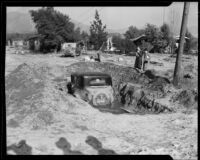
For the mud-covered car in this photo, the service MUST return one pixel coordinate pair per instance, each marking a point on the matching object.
(95, 88)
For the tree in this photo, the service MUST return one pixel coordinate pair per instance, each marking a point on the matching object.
(156, 37)
(77, 34)
(166, 33)
(133, 32)
(98, 35)
(191, 43)
(124, 45)
(84, 36)
(54, 27)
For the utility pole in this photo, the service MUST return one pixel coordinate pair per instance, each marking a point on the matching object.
(177, 70)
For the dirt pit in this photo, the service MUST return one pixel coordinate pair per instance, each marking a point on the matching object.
(152, 83)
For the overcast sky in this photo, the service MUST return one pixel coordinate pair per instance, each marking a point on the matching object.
(122, 17)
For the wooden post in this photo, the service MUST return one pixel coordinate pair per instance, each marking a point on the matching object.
(177, 70)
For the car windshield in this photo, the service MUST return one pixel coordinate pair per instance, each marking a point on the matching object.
(98, 82)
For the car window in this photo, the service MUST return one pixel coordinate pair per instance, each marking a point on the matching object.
(98, 82)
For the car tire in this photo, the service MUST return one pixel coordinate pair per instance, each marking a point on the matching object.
(70, 88)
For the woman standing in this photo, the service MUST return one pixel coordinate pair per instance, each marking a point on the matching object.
(138, 60)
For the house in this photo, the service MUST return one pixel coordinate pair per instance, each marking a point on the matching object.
(33, 42)
(177, 40)
(18, 43)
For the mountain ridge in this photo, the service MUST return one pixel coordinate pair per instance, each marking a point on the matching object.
(19, 22)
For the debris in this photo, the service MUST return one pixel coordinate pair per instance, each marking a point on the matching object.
(188, 76)
(159, 85)
(135, 101)
(187, 98)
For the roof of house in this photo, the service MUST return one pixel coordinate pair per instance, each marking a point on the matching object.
(139, 38)
(35, 36)
(178, 37)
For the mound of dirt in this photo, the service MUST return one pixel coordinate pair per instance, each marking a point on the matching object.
(35, 101)
(123, 74)
(159, 86)
(187, 98)
(118, 73)
(24, 87)
(29, 98)
(155, 85)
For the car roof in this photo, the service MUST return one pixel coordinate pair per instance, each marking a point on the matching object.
(90, 74)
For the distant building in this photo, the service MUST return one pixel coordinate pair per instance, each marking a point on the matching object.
(18, 43)
(177, 40)
(66, 45)
(33, 42)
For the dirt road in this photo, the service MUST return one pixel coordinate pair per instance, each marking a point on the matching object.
(174, 134)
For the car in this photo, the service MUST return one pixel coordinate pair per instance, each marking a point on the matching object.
(93, 87)
(72, 52)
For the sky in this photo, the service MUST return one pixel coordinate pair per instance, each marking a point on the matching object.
(123, 17)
